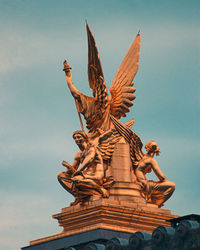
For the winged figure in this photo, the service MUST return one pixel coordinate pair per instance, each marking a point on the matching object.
(97, 109)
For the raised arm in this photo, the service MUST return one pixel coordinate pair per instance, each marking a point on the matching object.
(68, 76)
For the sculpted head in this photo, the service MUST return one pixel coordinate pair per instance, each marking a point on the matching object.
(152, 147)
(80, 137)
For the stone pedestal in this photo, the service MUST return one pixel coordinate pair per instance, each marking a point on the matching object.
(125, 187)
(121, 167)
(123, 213)
(110, 215)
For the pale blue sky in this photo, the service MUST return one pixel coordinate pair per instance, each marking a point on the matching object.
(38, 116)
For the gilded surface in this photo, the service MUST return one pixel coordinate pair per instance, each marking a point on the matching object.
(90, 176)
(97, 109)
(156, 192)
(87, 176)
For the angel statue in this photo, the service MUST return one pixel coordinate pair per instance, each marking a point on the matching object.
(97, 109)
(155, 192)
(87, 177)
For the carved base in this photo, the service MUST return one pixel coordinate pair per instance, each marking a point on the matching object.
(124, 211)
(109, 214)
(126, 191)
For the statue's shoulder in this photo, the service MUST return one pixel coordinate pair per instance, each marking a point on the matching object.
(147, 160)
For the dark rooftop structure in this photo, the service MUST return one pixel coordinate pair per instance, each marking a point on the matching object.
(184, 234)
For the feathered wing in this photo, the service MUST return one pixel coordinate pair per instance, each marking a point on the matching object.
(122, 85)
(95, 71)
(97, 109)
(132, 138)
(99, 113)
(108, 140)
(107, 143)
(94, 63)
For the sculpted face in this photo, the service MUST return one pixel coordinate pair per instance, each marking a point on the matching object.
(152, 147)
(79, 139)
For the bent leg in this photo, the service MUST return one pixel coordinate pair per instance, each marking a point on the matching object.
(161, 191)
(89, 184)
(65, 180)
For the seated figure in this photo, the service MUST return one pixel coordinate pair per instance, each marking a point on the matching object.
(86, 175)
(156, 192)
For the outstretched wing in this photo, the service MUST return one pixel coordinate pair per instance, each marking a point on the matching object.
(98, 111)
(95, 71)
(132, 138)
(107, 143)
(122, 86)
(108, 140)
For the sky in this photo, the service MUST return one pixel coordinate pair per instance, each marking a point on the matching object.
(38, 115)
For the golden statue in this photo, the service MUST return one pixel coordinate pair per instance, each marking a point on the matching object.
(88, 177)
(156, 192)
(90, 173)
(97, 109)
